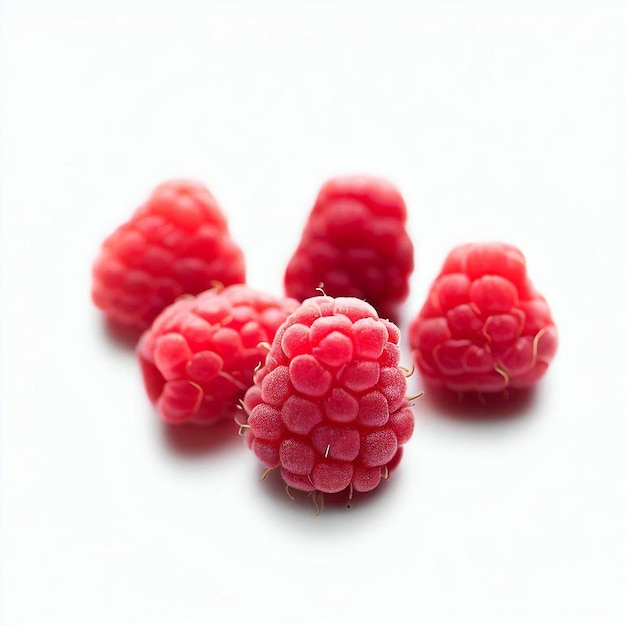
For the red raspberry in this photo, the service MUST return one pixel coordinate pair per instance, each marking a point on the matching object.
(198, 359)
(355, 243)
(483, 327)
(329, 406)
(176, 243)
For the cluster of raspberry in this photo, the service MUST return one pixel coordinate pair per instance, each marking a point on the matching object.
(316, 379)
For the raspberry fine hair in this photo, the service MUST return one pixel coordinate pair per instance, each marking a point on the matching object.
(355, 243)
(483, 328)
(199, 356)
(176, 243)
(328, 407)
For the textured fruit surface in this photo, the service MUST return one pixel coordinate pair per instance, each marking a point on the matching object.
(483, 327)
(328, 407)
(176, 243)
(355, 243)
(198, 359)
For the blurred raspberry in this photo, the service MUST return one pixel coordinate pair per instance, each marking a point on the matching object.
(329, 405)
(355, 243)
(176, 243)
(483, 327)
(198, 359)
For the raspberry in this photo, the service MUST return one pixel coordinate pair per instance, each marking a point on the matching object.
(176, 243)
(328, 407)
(483, 328)
(198, 359)
(355, 243)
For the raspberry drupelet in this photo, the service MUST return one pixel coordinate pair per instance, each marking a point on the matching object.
(484, 328)
(328, 407)
(176, 243)
(355, 243)
(199, 356)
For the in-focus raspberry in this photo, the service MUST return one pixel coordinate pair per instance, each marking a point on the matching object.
(176, 243)
(199, 356)
(328, 407)
(484, 327)
(355, 243)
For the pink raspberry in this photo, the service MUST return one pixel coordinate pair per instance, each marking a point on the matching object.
(355, 243)
(483, 327)
(176, 243)
(329, 405)
(199, 357)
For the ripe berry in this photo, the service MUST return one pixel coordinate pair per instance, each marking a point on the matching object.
(483, 327)
(176, 243)
(329, 406)
(198, 359)
(355, 243)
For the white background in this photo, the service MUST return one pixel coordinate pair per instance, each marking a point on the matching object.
(500, 121)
